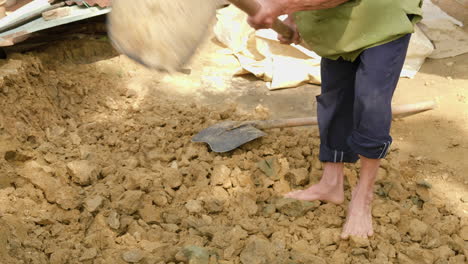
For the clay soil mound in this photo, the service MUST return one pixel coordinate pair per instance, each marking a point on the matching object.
(93, 171)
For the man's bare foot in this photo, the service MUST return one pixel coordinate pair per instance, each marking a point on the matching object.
(359, 219)
(329, 189)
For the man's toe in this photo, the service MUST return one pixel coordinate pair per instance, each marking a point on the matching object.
(345, 233)
(291, 194)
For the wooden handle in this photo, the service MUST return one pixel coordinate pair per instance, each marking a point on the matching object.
(397, 111)
(251, 7)
(280, 123)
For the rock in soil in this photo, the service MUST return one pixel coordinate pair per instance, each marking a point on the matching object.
(257, 251)
(133, 256)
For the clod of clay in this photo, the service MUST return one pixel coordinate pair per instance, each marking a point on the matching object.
(133, 256)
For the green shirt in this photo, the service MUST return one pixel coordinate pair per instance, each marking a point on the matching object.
(348, 29)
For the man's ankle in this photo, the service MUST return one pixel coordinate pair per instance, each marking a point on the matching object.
(369, 170)
(333, 174)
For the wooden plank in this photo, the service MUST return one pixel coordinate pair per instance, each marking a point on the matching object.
(56, 13)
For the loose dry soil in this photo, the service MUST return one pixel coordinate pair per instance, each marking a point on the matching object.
(97, 167)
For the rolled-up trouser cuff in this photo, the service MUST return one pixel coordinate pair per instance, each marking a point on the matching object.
(329, 155)
(369, 147)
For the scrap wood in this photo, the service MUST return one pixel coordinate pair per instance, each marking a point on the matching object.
(56, 13)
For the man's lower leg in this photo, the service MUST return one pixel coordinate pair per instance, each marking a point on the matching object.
(359, 220)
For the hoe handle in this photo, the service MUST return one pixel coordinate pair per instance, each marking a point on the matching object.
(251, 7)
(398, 111)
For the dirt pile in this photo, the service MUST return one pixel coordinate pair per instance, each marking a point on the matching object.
(94, 172)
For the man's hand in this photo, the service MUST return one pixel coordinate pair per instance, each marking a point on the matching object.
(296, 39)
(266, 15)
(271, 9)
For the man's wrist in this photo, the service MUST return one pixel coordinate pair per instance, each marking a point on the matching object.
(292, 6)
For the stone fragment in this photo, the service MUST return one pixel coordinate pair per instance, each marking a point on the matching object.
(295, 208)
(394, 216)
(359, 242)
(381, 175)
(93, 203)
(381, 210)
(88, 254)
(172, 178)
(150, 213)
(270, 167)
(444, 252)
(113, 220)
(331, 220)
(16, 156)
(423, 193)
(248, 204)
(173, 216)
(133, 256)
(464, 232)
(152, 247)
(55, 190)
(458, 259)
(241, 177)
(82, 172)
(449, 225)
(58, 257)
(220, 193)
(250, 225)
(194, 206)
(329, 236)
(419, 255)
(257, 251)
(359, 251)
(129, 201)
(159, 198)
(396, 191)
(431, 239)
(339, 257)
(417, 229)
(196, 255)
(173, 228)
(269, 209)
(75, 139)
(457, 244)
(138, 179)
(387, 249)
(221, 176)
(213, 205)
(301, 253)
(299, 177)
(424, 183)
(403, 259)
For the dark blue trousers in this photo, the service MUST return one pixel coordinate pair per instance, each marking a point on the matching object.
(354, 108)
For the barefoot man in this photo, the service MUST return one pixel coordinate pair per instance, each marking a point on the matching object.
(363, 44)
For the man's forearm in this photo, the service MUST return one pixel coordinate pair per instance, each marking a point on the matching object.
(292, 6)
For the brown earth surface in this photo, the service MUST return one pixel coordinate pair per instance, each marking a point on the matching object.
(97, 166)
